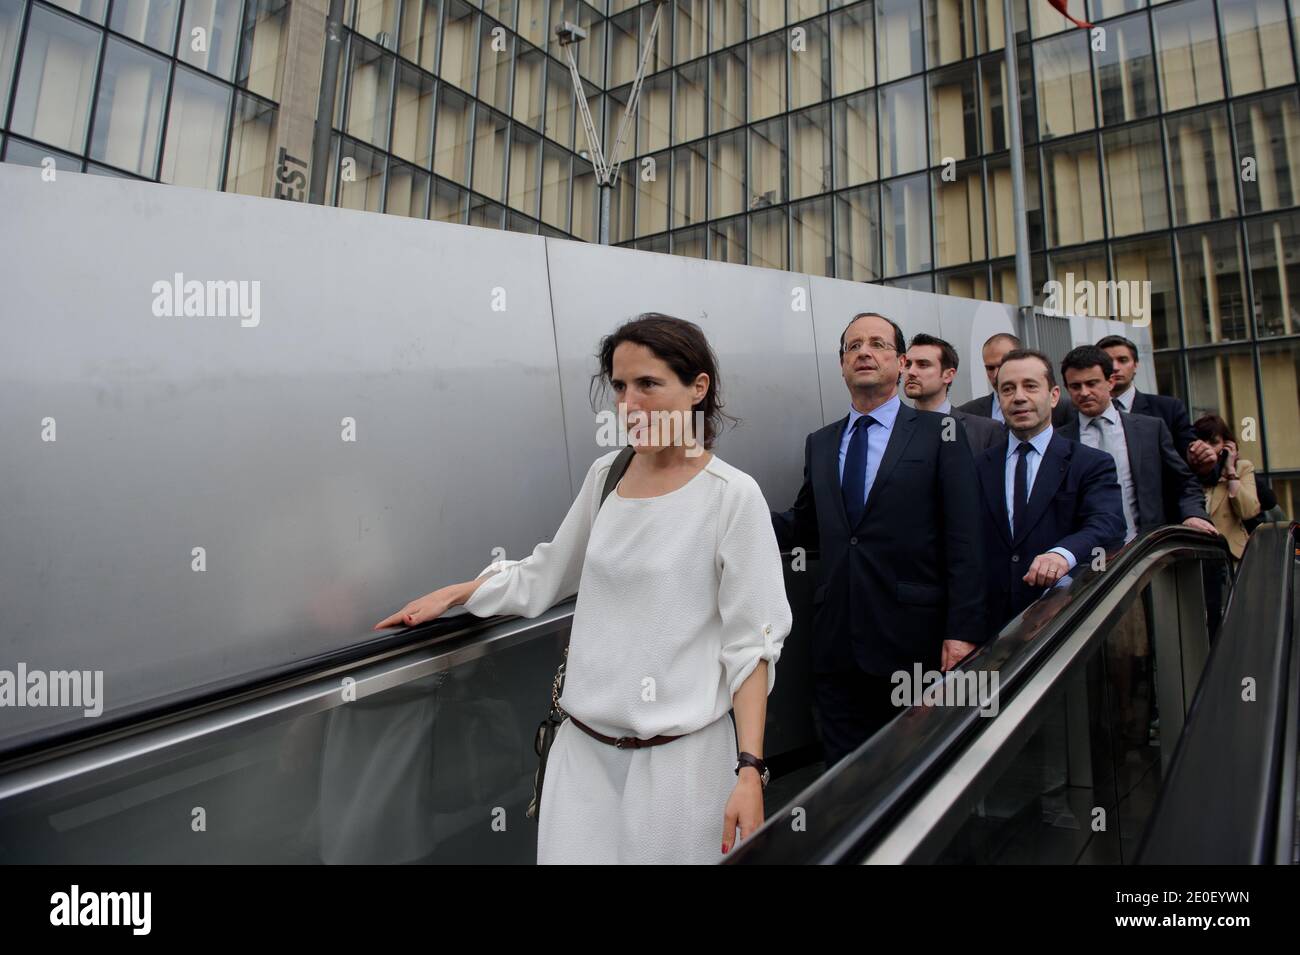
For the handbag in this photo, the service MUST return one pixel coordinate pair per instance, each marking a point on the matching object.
(550, 725)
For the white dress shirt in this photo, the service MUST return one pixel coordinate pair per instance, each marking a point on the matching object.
(877, 437)
(1115, 444)
(1126, 399)
(1033, 459)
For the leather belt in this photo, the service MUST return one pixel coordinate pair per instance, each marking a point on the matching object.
(621, 742)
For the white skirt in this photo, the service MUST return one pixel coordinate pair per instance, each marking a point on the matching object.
(662, 804)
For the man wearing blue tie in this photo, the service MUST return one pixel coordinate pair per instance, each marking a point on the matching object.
(1049, 503)
(890, 499)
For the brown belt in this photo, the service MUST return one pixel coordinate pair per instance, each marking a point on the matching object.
(622, 742)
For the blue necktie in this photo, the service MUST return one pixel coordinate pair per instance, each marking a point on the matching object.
(854, 484)
(1020, 498)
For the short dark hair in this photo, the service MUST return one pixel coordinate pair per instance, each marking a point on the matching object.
(681, 345)
(1085, 357)
(947, 354)
(1210, 426)
(1019, 353)
(900, 342)
(1119, 341)
(1002, 336)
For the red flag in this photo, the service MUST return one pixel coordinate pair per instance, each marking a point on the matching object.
(1060, 6)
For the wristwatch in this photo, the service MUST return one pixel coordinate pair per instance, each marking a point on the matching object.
(749, 759)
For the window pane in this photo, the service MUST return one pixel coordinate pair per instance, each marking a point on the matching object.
(583, 223)
(1126, 72)
(690, 176)
(11, 18)
(248, 169)
(1274, 246)
(452, 137)
(1222, 382)
(1279, 372)
(420, 20)
(727, 174)
(1268, 133)
(767, 239)
(1072, 190)
(857, 234)
(727, 241)
(1074, 268)
(855, 140)
(363, 187)
(496, 53)
(652, 195)
(726, 23)
(765, 17)
(990, 27)
(152, 22)
(25, 154)
(966, 283)
(661, 54)
(530, 66)
(196, 131)
(1135, 179)
(413, 116)
(1213, 285)
(898, 38)
(689, 112)
(654, 113)
(370, 93)
(555, 187)
(1200, 163)
(489, 153)
(128, 116)
(767, 77)
(692, 30)
(559, 106)
(219, 20)
(486, 215)
(954, 129)
(377, 20)
(728, 98)
(950, 31)
(905, 217)
(525, 170)
(853, 48)
(1064, 85)
(261, 55)
(902, 137)
(1001, 224)
(1188, 46)
(1256, 43)
(810, 238)
(503, 11)
(624, 48)
(90, 9)
(460, 45)
(810, 153)
(766, 165)
(959, 217)
(810, 81)
(408, 191)
(52, 102)
(690, 242)
(1149, 260)
(532, 21)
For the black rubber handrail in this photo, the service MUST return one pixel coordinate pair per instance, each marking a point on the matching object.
(1229, 794)
(841, 815)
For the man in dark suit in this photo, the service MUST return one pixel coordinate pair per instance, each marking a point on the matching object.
(995, 349)
(1048, 503)
(931, 368)
(1157, 485)
(893, 508)
(1124, 394)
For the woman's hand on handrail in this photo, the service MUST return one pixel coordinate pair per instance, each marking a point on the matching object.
(432, 605)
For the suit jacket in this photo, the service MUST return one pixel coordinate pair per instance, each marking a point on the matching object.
(910, 574)
(1229, 513)
(1075, 504)
(1167, 491)
(1169, 410)
(983, 407)
(982, 432)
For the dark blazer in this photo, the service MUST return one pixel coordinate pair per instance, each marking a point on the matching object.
(911, 574)
(1167, 491)
(982, 432)
(1075, 504)
(1169, 410)
(983, 407)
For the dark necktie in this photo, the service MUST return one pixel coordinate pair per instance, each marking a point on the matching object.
(854, 484)
(1020, 495)
(1119, 404)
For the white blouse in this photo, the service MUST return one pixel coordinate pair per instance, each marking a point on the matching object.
(679, 597)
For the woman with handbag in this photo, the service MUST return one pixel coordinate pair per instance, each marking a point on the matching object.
(680, 617)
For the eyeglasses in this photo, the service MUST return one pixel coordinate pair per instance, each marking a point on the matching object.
(877, 345)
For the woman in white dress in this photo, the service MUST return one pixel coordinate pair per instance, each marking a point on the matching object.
(680, 617)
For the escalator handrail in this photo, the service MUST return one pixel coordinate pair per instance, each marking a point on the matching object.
(1229, 793)
(850, 807)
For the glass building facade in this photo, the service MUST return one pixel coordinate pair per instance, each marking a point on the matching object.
(864, 140)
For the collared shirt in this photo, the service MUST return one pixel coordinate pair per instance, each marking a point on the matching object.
(945, 408)
(1117, 447)
(1126, 399)
(1033, 459)
(997, 410)
(877, 437)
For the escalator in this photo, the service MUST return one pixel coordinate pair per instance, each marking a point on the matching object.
(417, 747)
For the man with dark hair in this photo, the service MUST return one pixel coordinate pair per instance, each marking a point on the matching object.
(1157, 485)
(1123, 392)
(1049, 503)
(894, 510)
(995, 350)
(930, 370)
